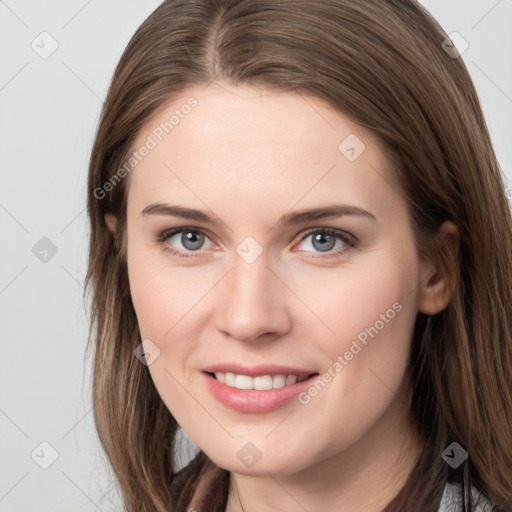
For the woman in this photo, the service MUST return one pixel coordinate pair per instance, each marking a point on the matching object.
(300, 255)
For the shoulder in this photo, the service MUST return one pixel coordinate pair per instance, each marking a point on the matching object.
(452, 500)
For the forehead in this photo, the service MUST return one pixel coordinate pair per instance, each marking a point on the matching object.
(248, 115)
(254, 143)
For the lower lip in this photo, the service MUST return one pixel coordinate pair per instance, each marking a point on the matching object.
(252, 400)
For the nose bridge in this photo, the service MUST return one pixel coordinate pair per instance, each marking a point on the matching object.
(249, 281)
(251, 303)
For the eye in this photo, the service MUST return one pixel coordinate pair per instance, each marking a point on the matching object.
(191, 240)
(324, 240)
(185, 241)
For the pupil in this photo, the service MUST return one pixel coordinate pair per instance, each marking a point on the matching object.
(321, 237)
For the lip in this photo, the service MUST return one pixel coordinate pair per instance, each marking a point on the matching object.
(255, 371)
(255, 401)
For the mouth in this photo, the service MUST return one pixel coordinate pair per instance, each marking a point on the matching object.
(260, 382)
(257, 394)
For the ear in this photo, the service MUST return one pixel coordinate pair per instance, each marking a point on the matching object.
(111, 220)
(437, 287)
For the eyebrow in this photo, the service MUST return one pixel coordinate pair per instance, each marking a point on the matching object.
(292, 218)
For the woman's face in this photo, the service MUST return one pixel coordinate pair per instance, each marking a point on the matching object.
(254, 280)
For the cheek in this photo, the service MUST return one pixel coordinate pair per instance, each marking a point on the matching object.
(166, 298)
(163, 299)
(365, 361)
(356, 304)
(151, 306)
(372, 315)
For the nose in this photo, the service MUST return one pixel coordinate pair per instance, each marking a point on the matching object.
(252, 302)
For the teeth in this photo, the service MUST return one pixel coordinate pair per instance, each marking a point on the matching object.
(260, 383)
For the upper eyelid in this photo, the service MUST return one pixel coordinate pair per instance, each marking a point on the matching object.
(166, 233)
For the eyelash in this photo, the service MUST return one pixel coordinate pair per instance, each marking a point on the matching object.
(348, 239)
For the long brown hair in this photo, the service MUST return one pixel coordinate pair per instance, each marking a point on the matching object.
(383, 65)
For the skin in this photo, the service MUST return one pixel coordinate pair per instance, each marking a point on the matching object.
(248, 156)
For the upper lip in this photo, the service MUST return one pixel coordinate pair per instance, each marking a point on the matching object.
(255, 371)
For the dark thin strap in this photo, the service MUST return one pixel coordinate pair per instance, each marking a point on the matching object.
(465, 487)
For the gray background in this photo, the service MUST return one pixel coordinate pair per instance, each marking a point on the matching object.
(49, 109)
